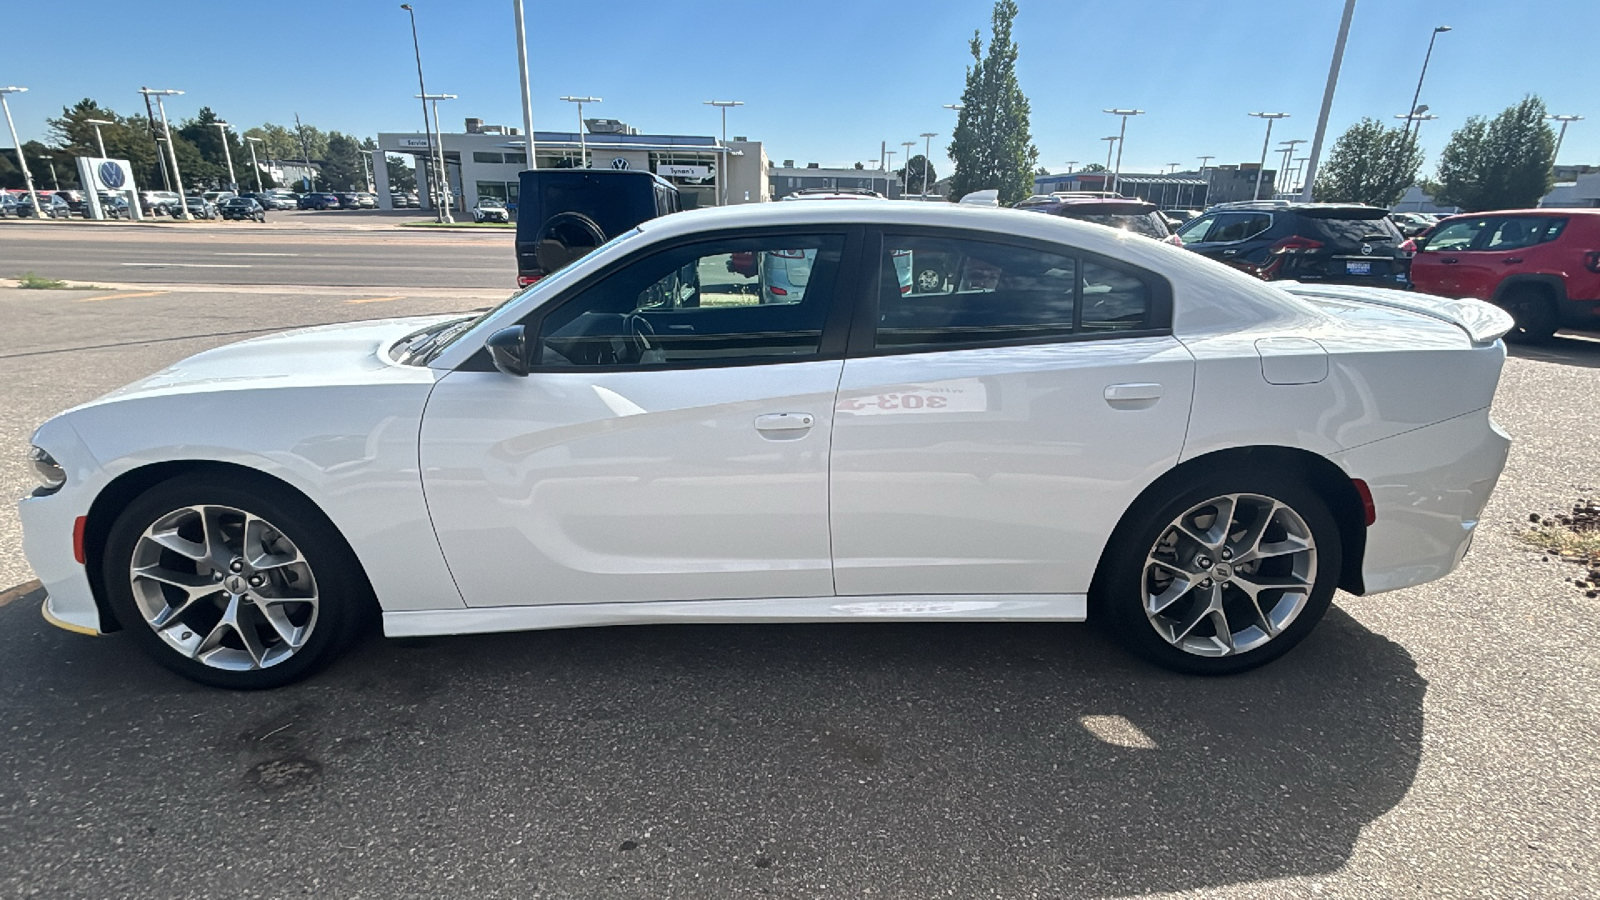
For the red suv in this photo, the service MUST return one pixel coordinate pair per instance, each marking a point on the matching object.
(1541, 265)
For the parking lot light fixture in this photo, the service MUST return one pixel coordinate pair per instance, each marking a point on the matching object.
(233, 181)
(1071, 164)
(1105, 179)
(583, 145)
(97, 138)
(1332, 85)
(444, 170)
(1270, 117)
(166, 131)
(55, 183)
(22, 160)
(927, 148)
(1565, 121)
(1417, 95)
(251, 142)
(422, 91)
(1122, 141)
(724, 106)
(1420, 116)
(905, 171)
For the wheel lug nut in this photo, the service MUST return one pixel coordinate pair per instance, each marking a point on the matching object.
(1206, 583)
(236, 566)
(1227, 554)
(1203, 562)
(257, 581)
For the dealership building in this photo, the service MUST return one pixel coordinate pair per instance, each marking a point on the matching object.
(485, 161)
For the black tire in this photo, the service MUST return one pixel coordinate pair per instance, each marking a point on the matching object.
(345, 606)
(1534, 311)
(1118, 596)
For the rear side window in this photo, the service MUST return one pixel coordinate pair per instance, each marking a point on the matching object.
(948, 293)
(1238, 226)
(1515, 232)
(1354, 231)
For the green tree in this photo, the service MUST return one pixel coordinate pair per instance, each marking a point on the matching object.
(992, 147)
(1504, 163)
(342, 169)
(1093, 167)
(401, 176)
(913, 181)
(277, 142)
(128, 137)
(1371, 163)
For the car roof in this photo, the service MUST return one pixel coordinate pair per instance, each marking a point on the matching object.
(1091, 206)
(1544, 211)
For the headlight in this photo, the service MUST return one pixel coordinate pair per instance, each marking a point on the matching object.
(49, 472)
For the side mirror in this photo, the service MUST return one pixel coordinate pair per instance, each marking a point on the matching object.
(508, 347)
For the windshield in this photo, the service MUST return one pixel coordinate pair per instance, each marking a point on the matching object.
(1144, 224)
(491, 203)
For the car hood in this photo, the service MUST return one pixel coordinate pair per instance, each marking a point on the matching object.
(343, 354)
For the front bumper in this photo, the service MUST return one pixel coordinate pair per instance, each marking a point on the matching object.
(47, 542)
(1429, 486)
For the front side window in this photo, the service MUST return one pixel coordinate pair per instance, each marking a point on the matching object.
(1458, 235)
(1238, 227)
(733, 301)
(1194, 231)
(945, 293)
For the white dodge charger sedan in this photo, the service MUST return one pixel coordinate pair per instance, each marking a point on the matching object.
(958, 414)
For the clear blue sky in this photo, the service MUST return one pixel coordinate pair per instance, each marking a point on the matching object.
(824, 80)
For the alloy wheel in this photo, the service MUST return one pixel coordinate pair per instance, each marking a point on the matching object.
(224, 587)
(1229, 575)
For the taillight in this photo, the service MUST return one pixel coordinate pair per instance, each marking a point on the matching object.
(1295, 244)
(525, 280)
(777, 290)
(1409, 245)
(1591, 261)
(1174, 239)
(1369, 509)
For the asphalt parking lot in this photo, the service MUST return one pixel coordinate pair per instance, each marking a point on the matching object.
(1438, 741)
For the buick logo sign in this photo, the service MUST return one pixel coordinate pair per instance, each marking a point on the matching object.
(619, 163)
(111, 175)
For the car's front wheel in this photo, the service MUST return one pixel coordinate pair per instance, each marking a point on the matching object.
(232, 583)
(1222, 576)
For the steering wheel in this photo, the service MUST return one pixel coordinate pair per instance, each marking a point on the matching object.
(642, 333)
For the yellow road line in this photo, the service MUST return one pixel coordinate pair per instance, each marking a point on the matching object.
(123, 296)
(374, 299)
(21, 590)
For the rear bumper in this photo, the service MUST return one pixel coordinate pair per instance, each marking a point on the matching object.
(1429, 487)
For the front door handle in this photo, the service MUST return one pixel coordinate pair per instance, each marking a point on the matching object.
(1512, 260)
(1449, 260)
(790, 422)
(1134, 395)
(1229, 252)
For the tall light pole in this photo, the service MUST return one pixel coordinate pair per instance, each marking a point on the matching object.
(255, 167)
(1420, 116)
(1071, 164)
(166, 129)
(1203, 161)
(97, 138)
(1270, 117)
(905, 171)
(22, 159)
(227, 152)
(583, 143)
(422, 91)
(888, 169)
(55, 183)
(1174, 167)
(1299, 167)
(1327, 98)
(1565, 121)
(927, 148)
(444, 167)
(1418, 93)
(366, 166)
(1122, 140)
(1105, 180)
(1288, 153)
(522, 75)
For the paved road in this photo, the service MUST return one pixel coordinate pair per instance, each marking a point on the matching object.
(1433, 742)
(286, 253)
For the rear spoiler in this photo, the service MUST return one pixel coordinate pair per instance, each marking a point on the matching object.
(1483, 322)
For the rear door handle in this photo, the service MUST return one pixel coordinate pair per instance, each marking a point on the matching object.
(1134, 393)
(785, 422)
(1229, 252)
(1512, 260)
(1449, 260)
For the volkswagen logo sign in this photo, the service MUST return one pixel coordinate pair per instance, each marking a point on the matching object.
(1366, 249)
(619, 163)
(111, 175)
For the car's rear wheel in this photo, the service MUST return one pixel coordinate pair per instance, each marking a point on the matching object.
(231, 584)
(1223, 576)
(1534, 311)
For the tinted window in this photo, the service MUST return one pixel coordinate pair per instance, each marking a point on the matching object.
(743, 300)
(1354, 231)
(1524, 231)
(1194, 231)
(1457, 235)
(1238, 226)
(941, 293)
(1144, 223)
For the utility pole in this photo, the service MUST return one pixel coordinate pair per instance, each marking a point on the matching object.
(22, 159)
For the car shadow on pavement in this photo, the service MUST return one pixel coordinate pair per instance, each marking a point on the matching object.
(1571, 349)
(703, 760)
